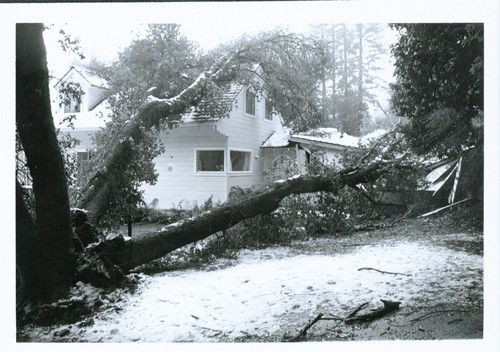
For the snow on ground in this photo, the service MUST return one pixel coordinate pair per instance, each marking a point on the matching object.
(277, 290)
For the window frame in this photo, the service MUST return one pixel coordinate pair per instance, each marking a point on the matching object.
(209, 149)
(81, 153)
(250, 161)
(247, 92)
(267, 112)
(74, 106)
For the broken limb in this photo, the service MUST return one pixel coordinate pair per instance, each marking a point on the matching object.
(332, 317)
(355, 311)
(389, 306)
(437, 312)
(443, 208)
(383, 272)
(404, 216)
(303, 332)
(216, 331)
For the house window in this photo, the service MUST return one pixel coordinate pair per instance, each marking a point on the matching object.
(72, 106)
(269, 111)
(210, 160)
(82, 156)
(240, 161)
(83, 164)
(250, 103)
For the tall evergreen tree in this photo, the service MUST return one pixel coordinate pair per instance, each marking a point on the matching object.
(352, 75)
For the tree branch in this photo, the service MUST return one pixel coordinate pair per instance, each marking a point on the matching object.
(303, 332)
(383, 272)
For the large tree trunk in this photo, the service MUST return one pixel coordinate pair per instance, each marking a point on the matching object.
(137, 251)
(37, 133)
(27, 253)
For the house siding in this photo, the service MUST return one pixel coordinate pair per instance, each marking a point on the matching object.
(179, 185)
(247, 132)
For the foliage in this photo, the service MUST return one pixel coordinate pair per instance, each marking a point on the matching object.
(439, 70)
(70, 43)
(164, 59)
(292, 65)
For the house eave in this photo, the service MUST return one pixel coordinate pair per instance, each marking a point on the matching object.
(321, 144)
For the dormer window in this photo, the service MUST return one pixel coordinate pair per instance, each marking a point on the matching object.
(250, 103)
(72, 106)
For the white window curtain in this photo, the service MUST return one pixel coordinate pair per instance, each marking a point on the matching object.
(240, 161)
(210, 160)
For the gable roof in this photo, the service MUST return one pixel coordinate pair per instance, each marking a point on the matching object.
(229, 94)
(92, 78)
(201, 112)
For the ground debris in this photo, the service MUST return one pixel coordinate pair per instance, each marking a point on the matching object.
(302, 334)
(383, 272)
(389, 307)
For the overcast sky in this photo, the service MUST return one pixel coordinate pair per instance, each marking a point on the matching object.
(105, 40)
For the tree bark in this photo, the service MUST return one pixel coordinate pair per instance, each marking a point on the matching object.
(334, 77)
(27, 254)
(37, 133)
(137, 251)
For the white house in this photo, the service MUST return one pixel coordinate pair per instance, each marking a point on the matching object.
(206, 157)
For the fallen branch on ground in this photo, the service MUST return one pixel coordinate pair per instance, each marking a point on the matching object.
(389, 306)
(436, 312)
(303, 332)
(355, 311)
(443, 208)
(404, 216)
(217, 331)
(383, 272)
(333, 317)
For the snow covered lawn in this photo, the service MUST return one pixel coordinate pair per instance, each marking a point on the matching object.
(266, 294)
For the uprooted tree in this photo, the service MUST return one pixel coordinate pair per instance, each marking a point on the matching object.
(46, 259)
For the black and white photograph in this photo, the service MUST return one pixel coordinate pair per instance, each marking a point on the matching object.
(317, 174)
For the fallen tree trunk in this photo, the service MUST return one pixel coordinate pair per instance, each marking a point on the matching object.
(137, 251)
